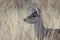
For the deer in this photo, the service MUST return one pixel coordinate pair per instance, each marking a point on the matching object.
(35, 18)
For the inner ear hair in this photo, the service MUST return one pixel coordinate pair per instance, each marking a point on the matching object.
(38, 10)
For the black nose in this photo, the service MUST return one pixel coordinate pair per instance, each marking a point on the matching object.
(24, 19)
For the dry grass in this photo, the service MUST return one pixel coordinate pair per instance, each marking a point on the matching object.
(12, 13)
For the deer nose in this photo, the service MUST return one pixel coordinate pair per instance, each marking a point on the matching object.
(24, 19)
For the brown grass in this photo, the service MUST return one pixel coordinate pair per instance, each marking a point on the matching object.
(12, 13)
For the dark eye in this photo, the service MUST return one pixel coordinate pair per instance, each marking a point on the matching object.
(33, 15)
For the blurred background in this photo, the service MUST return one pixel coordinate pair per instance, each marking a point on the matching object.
(12, 13)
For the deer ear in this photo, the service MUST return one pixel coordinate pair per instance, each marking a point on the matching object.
(32, 10)
(38, 11)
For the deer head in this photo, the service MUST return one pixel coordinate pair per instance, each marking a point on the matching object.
(34, 16)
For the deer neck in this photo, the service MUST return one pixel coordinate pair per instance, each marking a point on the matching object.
(39, 26)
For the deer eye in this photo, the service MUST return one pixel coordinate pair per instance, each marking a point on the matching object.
(34, 15)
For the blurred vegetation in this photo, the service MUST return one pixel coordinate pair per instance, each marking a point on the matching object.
(12, 13)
